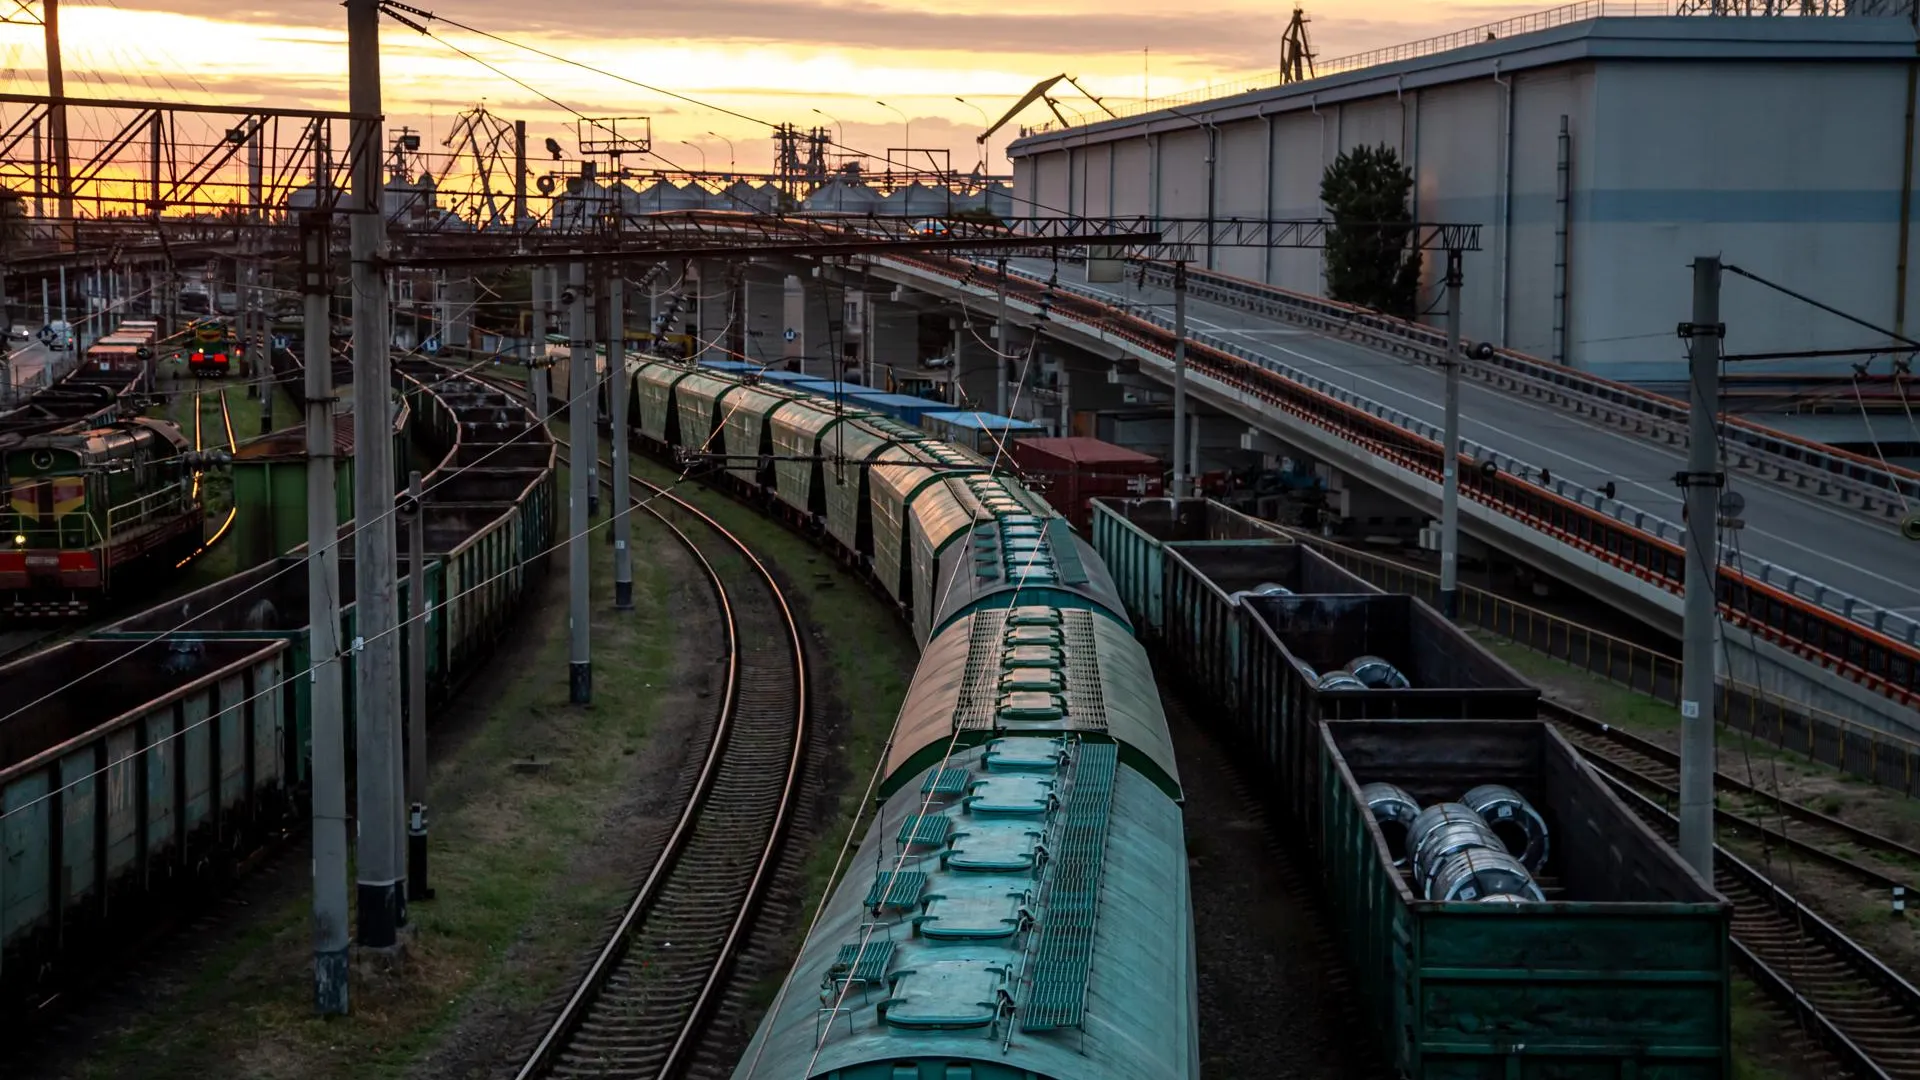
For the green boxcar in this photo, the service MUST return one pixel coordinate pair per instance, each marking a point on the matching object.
(1622, 973)
(1130, 533)
(844, 479)
(273, 608)
(271, 491)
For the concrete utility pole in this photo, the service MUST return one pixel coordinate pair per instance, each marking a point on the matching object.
(957, 327)
(622, 498)
(1701, 482)
(376, 685)
(259, 348)
(586, 447)
(1180, 380)
(419, 620)
(1002, 347)
(329, 752)
(57, 121)
(867, 331)
(537, 345)
(1450, 452)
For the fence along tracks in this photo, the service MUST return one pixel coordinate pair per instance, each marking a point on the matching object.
(645, 1001)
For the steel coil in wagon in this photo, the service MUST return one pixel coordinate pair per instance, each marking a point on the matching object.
(1338, 680)
(1449, 839)
(1480, 874)
(1514, 820)
(1394, 811)
(1433, 817)
(1377, 674)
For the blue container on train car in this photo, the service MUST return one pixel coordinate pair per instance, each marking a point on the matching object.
(907, 410)
(983, 433)
(827, 388)
(772, 375)
(731, 365)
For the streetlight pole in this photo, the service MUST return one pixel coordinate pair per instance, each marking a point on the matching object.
(985, 145)
(703, 153)
(904, 121)
(730, 157)
(840, 130)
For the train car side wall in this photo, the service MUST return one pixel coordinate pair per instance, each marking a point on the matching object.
(1129, 535)
(138, 801)
(1627, 975)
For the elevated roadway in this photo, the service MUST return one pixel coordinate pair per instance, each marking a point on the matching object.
(1818, 627)
(1828, 542)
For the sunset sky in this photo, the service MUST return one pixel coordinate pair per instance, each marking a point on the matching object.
(775, 60)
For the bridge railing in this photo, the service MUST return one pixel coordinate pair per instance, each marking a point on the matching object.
(1870, 484)
(1835, 601)
(1626, 539)
(1876, 756)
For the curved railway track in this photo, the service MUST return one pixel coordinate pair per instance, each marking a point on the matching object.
(1862, 1011)
(644, 1003)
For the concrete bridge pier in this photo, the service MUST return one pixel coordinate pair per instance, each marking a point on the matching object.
(709, 303)
(895, 344)
(763, 315)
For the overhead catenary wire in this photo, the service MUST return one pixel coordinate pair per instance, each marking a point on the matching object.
(315, 665)
(854, 828)
(300, 562)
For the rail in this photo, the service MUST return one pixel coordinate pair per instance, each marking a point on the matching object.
(1840, 992)
(1646, 763)
(1878, 757)
(1871, 647)
(730, 757)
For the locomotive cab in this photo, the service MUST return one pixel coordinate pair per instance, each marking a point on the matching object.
(82, 504)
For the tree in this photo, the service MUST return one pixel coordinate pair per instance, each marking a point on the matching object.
(1368, 263)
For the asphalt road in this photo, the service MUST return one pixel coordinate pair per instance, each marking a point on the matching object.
(1830, 544)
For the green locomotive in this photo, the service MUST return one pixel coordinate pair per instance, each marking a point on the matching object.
(92, 495)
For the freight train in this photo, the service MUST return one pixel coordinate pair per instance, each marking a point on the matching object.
(1457, 967)
(143, 784)
(1019, 905)
(96, 496)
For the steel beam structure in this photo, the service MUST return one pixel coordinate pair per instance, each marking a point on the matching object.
(154, 158)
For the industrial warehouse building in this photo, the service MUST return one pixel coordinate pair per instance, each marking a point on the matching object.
(1784, 145)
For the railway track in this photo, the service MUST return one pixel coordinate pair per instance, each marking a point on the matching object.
(1866, 1014)
(644, 1003)
(1875, 861)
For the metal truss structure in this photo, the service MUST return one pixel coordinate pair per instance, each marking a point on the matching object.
(487, 152)
(1804, 8)
(601, 136)
(179, 160)
(721, 234)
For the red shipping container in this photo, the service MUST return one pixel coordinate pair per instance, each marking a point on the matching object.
(1079, 469)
